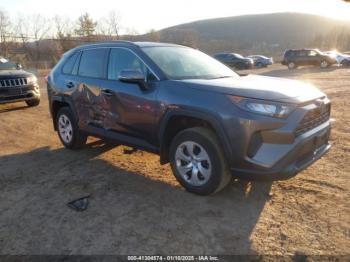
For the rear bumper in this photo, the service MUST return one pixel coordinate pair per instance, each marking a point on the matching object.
(18, 94)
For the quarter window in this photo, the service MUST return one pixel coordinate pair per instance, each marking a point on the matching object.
(68, 66)
(92, 63)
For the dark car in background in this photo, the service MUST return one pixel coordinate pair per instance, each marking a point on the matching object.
(234, 60)
(195, 112)
(261, 61)
(17, 85)
(304, 57)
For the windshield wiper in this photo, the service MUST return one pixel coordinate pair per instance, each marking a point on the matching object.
(221, 77)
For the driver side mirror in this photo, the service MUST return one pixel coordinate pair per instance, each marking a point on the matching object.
(133, 76)
(18, 66)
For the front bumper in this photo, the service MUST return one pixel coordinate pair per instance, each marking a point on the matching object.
(19, 93)
(302, 154)
(270, 148)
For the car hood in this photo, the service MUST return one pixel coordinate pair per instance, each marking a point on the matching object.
(260, 87)
(6, 74)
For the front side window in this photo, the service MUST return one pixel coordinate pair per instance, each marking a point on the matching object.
(312, 53)
(219, 56)
(237, 56)
(92, 63)
(122, 59)
(187, 63)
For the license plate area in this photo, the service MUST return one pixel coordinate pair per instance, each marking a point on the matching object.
(321, 140)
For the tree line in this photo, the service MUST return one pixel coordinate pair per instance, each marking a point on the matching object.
(37, 41)
(37, 38)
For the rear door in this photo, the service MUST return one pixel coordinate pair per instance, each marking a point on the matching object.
(302, 58)
(87, 95)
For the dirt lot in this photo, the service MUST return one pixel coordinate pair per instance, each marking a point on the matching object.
(137, 207)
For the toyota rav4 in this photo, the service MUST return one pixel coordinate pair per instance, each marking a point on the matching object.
(196, 113)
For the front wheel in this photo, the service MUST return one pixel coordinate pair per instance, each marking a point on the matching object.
(260, 65)
(324, 64)
(68, 131)
(198, 162)
(33, 102)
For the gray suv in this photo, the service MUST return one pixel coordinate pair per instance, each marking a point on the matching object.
(196, 113)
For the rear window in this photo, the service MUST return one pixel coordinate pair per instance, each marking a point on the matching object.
(93, 63)
(289, 53)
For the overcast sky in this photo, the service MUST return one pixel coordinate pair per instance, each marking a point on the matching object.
(143, 15)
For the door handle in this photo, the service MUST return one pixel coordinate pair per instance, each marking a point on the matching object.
(107, 92)
(70, 85)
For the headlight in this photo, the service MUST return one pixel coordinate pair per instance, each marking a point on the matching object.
(32, 79)
(267, 108)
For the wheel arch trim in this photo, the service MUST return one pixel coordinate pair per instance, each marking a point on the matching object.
(208, 117)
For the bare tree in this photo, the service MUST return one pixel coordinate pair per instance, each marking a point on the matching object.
(4, 32)
(113, 21)
(131, 34)
(64, 32)
(153, 36)
(21, 29)
(39, 26)
(109, 26)
(62, 25)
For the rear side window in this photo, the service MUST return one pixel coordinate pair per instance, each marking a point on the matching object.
(68, 66)
(93, 63)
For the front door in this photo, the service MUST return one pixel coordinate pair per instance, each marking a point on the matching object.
(129, 109)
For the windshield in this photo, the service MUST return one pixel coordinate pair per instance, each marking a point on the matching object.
(6, 65)
(238, 56)
(186, 63)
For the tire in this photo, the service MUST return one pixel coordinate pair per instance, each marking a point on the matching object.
(292, 65)
(68, 131)
(345, 63)
(33, 102)
(324, 64)
(259, 65)
(211, 174)
(241, 66)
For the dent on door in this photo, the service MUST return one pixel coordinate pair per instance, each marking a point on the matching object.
(130, 110)
(89, 105)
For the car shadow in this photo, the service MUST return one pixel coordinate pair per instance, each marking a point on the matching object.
(129, 212)
(12, 107)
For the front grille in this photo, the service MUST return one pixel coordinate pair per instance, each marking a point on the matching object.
(13, 82)
(313, 118)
